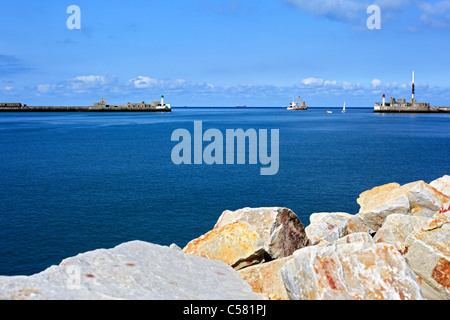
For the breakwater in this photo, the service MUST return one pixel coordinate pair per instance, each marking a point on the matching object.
(101, 106)
(409, 109)
(78, 109)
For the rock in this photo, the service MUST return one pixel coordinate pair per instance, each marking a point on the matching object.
(236, 244)
(175, 247)
(280, 229)
(396, 228)
(134, 270)
(427, 251)
(442, 185)
(326, 226)
(265, 278)
(416, 198)
(351, 268)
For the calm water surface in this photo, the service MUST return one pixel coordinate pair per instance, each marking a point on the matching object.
(74, 182)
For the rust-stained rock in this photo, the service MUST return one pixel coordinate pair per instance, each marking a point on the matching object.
(351, 268)
(427, 251)
(416, 198)
(236, 244)
(279, 228)
(265, 278)
(326, 226)
(442, 185)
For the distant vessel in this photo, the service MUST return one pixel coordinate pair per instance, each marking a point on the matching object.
(243, 106)
(294, 105)
(343, 109)
(329, 111)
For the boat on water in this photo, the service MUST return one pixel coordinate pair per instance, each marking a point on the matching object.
(294, 105)
(343, 109)
(243, 106)
(329, 111)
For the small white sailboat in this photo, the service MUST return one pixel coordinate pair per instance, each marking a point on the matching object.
(329, 111)
(343, 109)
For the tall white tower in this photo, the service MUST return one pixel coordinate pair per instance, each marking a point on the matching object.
(413, 87)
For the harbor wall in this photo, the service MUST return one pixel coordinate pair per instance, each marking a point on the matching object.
(80, 109)
(410, 109)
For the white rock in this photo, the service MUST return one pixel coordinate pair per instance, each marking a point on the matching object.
(416, 198)
(396, 228)
(427, 251)
(442, 185)
(134, 270)
(330, 226)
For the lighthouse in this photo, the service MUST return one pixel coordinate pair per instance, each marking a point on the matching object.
(413, 99)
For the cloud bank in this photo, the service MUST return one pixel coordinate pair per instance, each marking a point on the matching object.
(86, 89)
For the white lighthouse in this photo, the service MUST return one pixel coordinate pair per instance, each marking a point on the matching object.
(413, 89)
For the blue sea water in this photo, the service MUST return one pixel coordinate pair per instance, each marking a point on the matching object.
(75, 182)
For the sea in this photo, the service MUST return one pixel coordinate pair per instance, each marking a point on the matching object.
(76, 182)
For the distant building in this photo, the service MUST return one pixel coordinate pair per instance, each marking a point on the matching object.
(155, 105)
(401, 105)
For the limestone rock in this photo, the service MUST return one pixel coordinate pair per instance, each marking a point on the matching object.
(236, 244)
(134, 270)
(326, 226)
(427, 251)
(279, 228)
(396, 228)
(265, 278)
(416, 198)
(351, 268)
(442, 185)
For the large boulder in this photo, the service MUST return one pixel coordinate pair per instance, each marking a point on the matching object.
(330, 226)
(442, 185)
(265, 278)
(416, 198)
(280, 229)
(351, 268)
(427, 251)
(134, 270)
(237, 244)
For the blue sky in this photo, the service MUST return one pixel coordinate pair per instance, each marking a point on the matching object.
(224, 52)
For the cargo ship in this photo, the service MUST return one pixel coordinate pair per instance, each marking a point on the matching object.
(294, 105)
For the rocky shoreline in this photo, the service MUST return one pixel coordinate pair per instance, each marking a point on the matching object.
(397, 247)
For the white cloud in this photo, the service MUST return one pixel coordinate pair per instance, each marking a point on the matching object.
(436, 14)
(144, 82)
(312, 81)
(375, 83)
(88, 82)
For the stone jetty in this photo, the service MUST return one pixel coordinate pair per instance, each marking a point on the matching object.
(397, 247)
